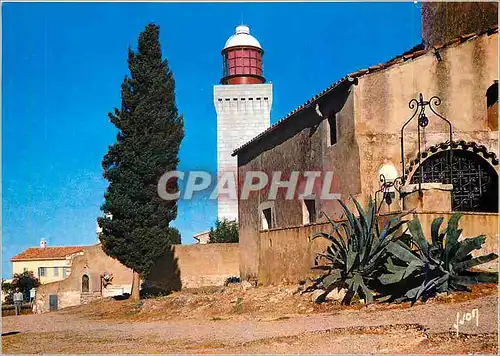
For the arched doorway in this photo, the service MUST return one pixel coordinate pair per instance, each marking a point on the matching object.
(475, 181)
(85, 284)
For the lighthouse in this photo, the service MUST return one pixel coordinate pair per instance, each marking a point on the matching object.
(243, 103)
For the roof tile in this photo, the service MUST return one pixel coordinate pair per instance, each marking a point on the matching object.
(47, 253)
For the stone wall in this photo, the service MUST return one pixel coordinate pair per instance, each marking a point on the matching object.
(194, 266)
(182, 266)
(287, 255)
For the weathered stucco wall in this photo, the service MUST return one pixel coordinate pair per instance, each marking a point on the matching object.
(443, 21)
(287, 255)
(182, 266)
(302, 145)
(370, 115)
(93, 263)
(194, 266)
(460, 79)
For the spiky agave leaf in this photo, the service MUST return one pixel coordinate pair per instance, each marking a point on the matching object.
(434, 267)
(359, 258)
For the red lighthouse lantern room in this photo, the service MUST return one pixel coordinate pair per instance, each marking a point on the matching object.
(242, 56)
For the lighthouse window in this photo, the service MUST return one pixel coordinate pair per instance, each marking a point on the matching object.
(219, 99)
(266, 98)
(257, 98)
(243, 61)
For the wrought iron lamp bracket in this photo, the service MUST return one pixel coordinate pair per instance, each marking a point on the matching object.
(385, 189)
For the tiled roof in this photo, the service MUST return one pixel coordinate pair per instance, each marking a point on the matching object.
(47, 253)
(414, 53)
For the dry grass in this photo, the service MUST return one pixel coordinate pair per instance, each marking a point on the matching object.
(265, 303)
(262, 320)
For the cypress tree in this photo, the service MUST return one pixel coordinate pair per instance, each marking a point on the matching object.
(135, 226)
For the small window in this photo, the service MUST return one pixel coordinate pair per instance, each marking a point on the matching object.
(250, 98)
(332, 129)
(42, 271)
(235, 99)
(309, 211)
(257, 98)
(267, 219)
(227, 99)
(65, 272)
(219, 99)
(492, 106)
(265, 98)
(56, 271)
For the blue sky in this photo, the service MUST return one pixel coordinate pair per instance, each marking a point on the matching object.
(62, 69)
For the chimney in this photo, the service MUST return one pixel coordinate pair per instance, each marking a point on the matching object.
(444, 21)
(43, 243)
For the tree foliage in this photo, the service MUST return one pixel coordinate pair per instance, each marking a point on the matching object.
(24, 281)
(136, 224)
(225, 231)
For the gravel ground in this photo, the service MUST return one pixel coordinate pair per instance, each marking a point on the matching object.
(116, 327)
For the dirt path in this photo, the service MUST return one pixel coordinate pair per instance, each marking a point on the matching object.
(420, 329)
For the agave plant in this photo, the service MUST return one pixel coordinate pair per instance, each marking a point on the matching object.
(441, 265)
(358, 258)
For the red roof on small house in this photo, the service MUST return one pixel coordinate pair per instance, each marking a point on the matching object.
(412, 54)
(47, 253)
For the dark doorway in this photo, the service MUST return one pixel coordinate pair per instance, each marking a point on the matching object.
(475, 181)
(53, 302)
(85, 283)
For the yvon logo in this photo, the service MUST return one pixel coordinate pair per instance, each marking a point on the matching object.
(468, 317)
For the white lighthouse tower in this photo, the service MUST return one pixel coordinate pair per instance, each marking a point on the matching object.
(243, 103)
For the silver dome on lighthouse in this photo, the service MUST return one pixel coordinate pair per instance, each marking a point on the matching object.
(242, 37)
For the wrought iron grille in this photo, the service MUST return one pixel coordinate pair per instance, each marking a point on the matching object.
(475, 182)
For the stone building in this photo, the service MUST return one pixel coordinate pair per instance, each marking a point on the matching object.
(243, 103)
(48, 264)
(356, 129)
(202, 237)
(95, 275)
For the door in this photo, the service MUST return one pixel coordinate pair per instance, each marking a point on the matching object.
(53, 302)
